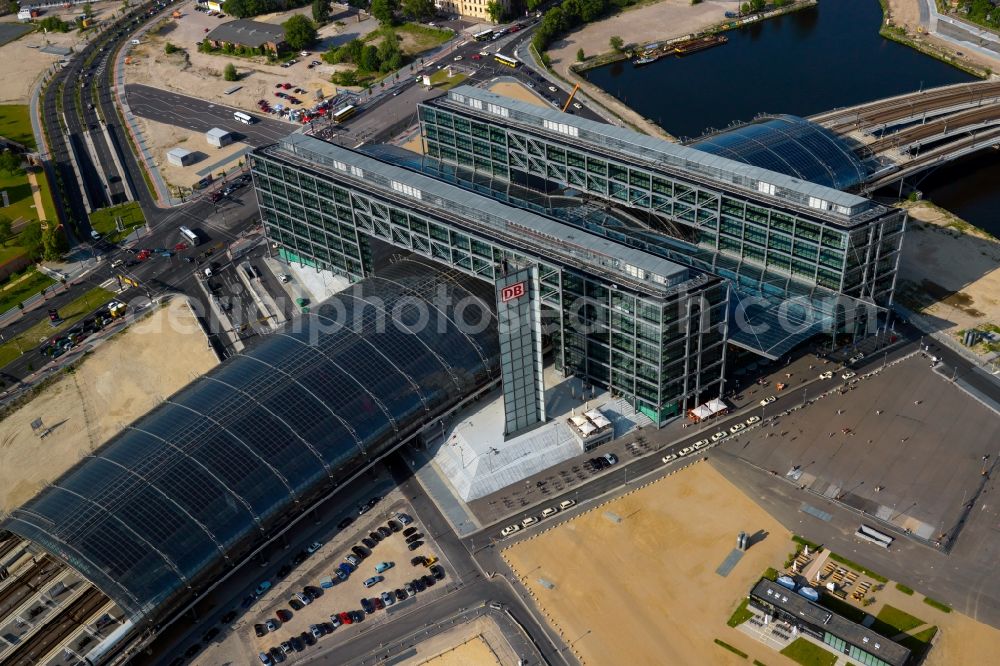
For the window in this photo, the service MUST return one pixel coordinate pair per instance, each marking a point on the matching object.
(765, 188)
(816, 202)
(408, 190)
(562, 128)
(498, 110)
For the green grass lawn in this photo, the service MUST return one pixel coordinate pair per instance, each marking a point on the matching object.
(740, 615)
(22, 287)
(71, 313)
(419, 38)
(8, 252)
(103, 220)
(22, 204)
(15, 124)
(439, 79)
(809, 654)
(897, 619)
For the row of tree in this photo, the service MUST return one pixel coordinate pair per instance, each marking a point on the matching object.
(40, 240)
(570, 14)
(248, 8)
(982, 12)
(389, 12)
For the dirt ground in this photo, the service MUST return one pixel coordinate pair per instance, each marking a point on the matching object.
(200, 74)
(122, 380)
(952, 265)
(518, 91)
(24, 63)
(906, 14)
(474, 651)
(161, 137)
(644, 590)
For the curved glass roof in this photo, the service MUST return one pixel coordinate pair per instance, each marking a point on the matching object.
(793, 146)
(169, 503)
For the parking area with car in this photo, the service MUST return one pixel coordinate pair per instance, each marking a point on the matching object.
(384, 560)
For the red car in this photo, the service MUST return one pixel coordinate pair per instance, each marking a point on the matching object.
(143, 256)
(286, 85)
(180, 246)
(283, 614)
(345, 618)
(476, 56)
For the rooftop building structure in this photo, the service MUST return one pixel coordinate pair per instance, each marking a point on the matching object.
(623, 318)
(858, 642)
(802, 257)
(167, 508)
(248, 33)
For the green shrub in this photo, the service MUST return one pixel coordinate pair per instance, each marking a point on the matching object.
(169, 48)
(229, 73)
(937, 604)
(904, 589)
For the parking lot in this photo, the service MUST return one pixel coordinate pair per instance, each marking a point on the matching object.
(370, 543)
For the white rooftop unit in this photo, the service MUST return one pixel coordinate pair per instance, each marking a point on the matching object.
(181, 157)
(219, 137)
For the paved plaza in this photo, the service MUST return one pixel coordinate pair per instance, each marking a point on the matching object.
(904, 445)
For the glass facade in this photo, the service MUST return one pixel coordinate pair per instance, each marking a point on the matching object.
(172, 502)
(767, 248)
(657, 341)
(520, 326)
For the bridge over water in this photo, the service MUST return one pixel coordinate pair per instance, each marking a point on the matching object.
(909, 133)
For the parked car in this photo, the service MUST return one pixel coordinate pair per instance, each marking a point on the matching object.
(416, 544)
(354, 560)
(296, 604)
(385, 532)
(437, 571)
(316, 631)
(346, 618)
(374, 580)
(394, 526)
(271, 625)
(427, 580)
(262, 587)
(367, 606)
(315, 545)
(359, 551)
(346, 522)
(375, 536)
(413, 537)
(260, 630)
(408, 531)
(510, 529)
(383, 566)
(368, 543)
(335, 621)
(400, 594)
(228, 617)
(417, 561)
(403, 518)
(283, 614)
(388, 598)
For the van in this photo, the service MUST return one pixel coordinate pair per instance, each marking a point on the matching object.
(529, 521)
(565, 504)
(551, 511)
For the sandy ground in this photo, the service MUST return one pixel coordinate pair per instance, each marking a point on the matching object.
(122, 380)
(161, 138)
(645, 591)
(957, 273)
(474, 651)
(24, 63)
(200, 75)
(906, 13)
(516, 90)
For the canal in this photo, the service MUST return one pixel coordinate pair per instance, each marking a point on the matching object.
(803, 63)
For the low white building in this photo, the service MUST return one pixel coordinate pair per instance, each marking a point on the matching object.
(218, 137)
(181, 157)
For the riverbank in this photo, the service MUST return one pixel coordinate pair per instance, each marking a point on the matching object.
(901, 22)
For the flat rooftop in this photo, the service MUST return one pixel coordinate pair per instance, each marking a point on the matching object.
(812, 613)
(842, 208)
(534, 233)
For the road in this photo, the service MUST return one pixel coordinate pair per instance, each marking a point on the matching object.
(200, 116)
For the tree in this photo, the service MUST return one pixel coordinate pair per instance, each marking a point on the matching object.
(169, 48)
(88, 11)
(580, 56)
(31, 240)
(321, 11)
(53, 241)
(745, 8)
(300, 32)
(5, 229)
(494, 10)
(384, 11)
(757, 5)
(369, 59)
(10, 163)
(389, 55)
(53, 24)
(533, 5)
(616, 42)
(239, 8)
(230, 73)
(418, 10)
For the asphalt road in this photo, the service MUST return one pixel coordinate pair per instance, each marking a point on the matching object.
(200, 116)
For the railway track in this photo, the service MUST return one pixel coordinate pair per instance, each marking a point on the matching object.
(55, 632)
(14, 594)
(936, 127)
(882, 111)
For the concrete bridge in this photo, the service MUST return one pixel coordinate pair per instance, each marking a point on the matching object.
(916, 131)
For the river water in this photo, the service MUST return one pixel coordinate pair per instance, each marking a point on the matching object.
(804, 63)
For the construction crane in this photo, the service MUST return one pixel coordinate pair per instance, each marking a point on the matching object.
(570, 99)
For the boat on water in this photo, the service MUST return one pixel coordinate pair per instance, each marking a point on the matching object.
(644, 60)
(699, 44)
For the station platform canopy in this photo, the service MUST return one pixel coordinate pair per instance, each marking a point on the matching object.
(793, 146)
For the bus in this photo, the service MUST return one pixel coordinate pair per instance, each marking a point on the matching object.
(244, 118)
(484, 36)
(344, 113)
(504, 60)
(190, 236)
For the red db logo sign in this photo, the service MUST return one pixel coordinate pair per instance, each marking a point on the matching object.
(512, 292)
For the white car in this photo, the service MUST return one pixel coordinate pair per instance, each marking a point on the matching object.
(565, 504)
(736, 428)
(767, 401)
(672, 456)
(753, 419)
(529, 521)
(826, 375)
(686, 450)
(552, 88)
(577, 105)
(510, 529)
(722, 434)
(551, 511)
(848, 375)
(457, 58)
(701, 443)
